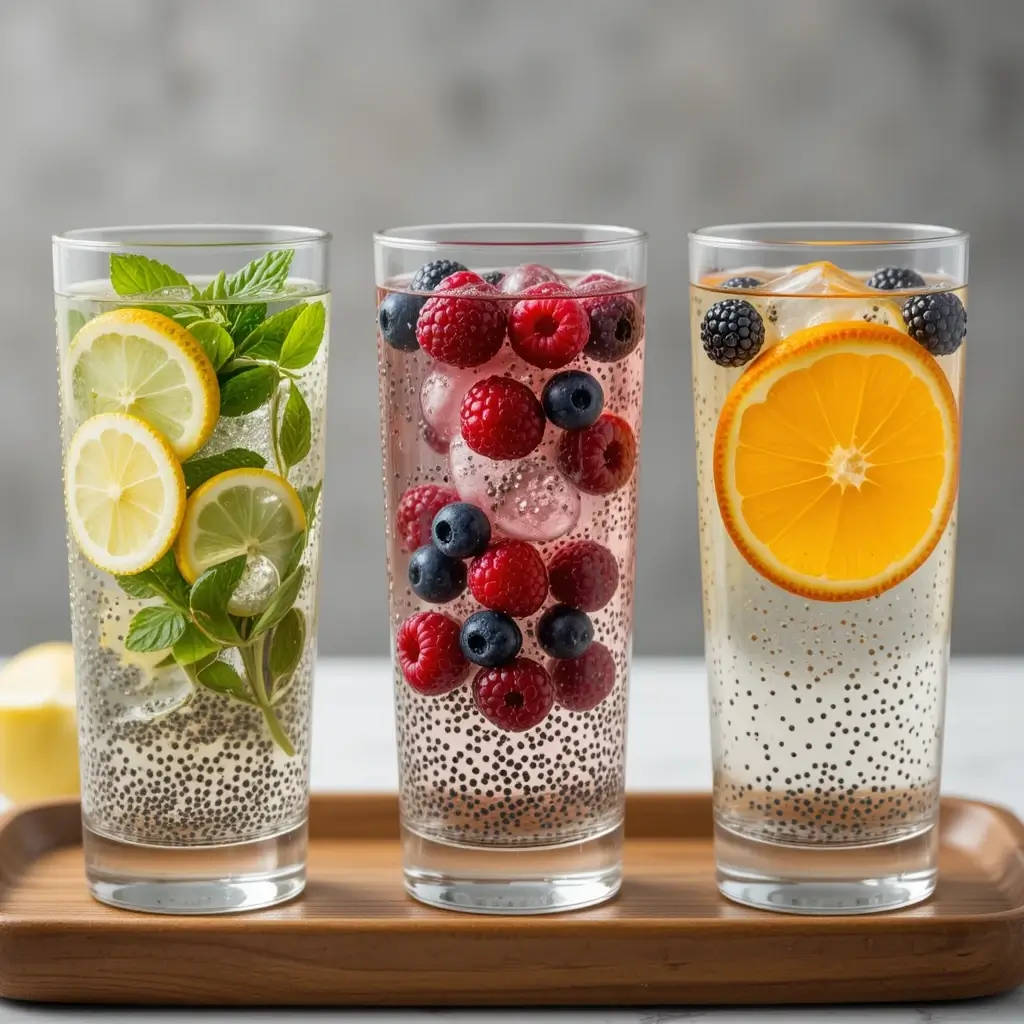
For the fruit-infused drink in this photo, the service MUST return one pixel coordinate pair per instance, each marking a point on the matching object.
(827, 385)
(193, 371)
(511, 375)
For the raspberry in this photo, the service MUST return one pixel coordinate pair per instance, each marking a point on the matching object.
(548, 331)
(616, 326)
(429, 653)
(430, 275)
(509, 577)
(584, 574)
(583, 682)
(732, 332)
(461, 330)
(416, 512)
(938, 321)
(501, 418)
(890, 279)
(467, 282)
(597, 282)
(598, 459)
(514, 697)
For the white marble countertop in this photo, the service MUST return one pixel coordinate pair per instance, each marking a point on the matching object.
(353, 749)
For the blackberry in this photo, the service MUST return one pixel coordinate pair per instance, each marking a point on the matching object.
(743, 282)
(494, 277)
(490, 639)
(430, 275)
(938, 321)
(732, 332)
(397, 318)
(890, 279)
(565, 632)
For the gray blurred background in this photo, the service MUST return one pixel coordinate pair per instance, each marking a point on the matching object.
(663, 115)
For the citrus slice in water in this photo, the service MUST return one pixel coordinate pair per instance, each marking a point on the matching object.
(38, 737)
(250, 512)
(143, 363)
(125, 493)
(836, 459)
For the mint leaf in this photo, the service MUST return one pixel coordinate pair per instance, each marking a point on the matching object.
(193, 646)
(266, 274)
(159, 580)
(280, 603)
(216, 341)
(286, 645)
(245, 392)
(76, 321)
(198, 471)
(220, 677)
(266, 340)
(216, 288)
(245, 319)
(132, 274)
(155, 629)
(209, 600)
(295, 428)
(304, 338)
(310, 496)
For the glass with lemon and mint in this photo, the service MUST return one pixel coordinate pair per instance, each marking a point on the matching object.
(193, 375)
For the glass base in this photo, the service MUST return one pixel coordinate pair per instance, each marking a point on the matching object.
(196, 879)
(515, 881)
(794, 879)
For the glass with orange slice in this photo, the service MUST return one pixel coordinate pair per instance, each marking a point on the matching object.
(827, 367)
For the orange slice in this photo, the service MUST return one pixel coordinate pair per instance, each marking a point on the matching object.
(836, 459)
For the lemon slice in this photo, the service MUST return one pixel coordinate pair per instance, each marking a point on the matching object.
(38, 738)
(250, 512)
(140, 362)
(836, 460)
(125, 493)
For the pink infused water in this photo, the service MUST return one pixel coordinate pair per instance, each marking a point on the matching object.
(511, 412)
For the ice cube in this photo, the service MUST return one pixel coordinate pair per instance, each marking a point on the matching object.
(529, 499)
(441, 397)
(821, 278)
(793, 314)
(525, 275)
(256, 587)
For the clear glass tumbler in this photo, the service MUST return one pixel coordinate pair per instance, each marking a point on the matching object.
(828, 368)
(510, 402)
(193, 373)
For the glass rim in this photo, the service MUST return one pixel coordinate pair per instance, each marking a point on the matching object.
(906, 235)
(405, 237)
(118, 237)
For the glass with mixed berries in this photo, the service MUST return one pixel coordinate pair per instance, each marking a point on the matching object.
(511, 378)
(828, 365)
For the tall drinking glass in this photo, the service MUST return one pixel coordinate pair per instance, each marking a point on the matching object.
(828, 366)
(510, 402)
(193, 372)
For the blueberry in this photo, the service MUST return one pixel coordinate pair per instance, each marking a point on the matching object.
(490, 639)
(494, 277)
(616, 326)
(893, 278)
(565, 632)
(397, 318)
(938, 321)
(434, 576)
(572, 400)
(430, 275)
(461, 530)
(743, 282)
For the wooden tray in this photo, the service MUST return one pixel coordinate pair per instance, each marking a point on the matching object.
(356, 938)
